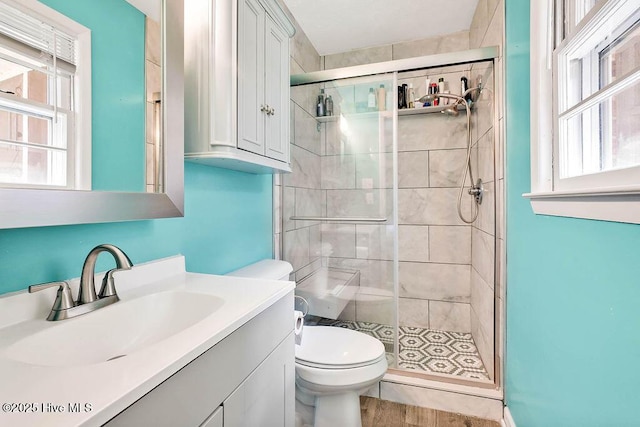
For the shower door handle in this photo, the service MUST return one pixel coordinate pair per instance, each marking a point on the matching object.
(337, 219)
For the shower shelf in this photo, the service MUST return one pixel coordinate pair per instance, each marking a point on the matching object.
(386, 114)
(427, 110)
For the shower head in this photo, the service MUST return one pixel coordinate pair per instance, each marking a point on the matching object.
(433, 96)
(452, 110)
(458, 99)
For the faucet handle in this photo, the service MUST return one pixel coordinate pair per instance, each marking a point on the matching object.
(63, 301)
(108, 284)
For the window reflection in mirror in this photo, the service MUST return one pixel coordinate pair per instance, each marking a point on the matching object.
(41, 90)
(103, 133)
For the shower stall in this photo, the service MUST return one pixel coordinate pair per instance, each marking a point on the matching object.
(388, 217)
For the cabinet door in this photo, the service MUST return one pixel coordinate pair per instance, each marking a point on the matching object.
(267, 397)
(251, 18)
(277, 91)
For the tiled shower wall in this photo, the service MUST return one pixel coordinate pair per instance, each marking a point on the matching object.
(299, 193)
(435, 289)
(486, 240)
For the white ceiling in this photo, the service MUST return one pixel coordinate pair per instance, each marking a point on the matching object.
(335, 26)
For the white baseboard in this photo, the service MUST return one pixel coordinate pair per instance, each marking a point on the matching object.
(508, 421)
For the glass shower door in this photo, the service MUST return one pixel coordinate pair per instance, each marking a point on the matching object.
(339, 215)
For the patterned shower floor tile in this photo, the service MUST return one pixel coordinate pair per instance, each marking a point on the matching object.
(427, 350)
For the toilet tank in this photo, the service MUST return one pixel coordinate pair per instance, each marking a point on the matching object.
(269, 269)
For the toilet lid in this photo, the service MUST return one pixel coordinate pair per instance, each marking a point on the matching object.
(330, 346)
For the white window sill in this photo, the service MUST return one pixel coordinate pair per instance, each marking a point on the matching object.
(615, 204)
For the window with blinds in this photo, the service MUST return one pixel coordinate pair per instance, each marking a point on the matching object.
(39, 93)
(597, 75)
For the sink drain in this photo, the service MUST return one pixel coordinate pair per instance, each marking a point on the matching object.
(116, 357)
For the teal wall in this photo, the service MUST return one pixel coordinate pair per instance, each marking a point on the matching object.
(573, 296)
(227, 224)
(117, 90)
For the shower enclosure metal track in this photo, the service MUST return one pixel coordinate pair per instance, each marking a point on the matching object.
(421, 62)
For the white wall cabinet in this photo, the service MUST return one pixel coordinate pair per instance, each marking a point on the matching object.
(237, 84)
(246, 380)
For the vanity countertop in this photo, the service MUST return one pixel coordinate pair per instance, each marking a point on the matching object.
(90, 394)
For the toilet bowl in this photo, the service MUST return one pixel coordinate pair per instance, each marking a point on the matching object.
(333, 365)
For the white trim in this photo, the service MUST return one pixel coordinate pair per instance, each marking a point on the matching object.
(605, 206)
(541, 115)
(82, 99)
(619, 204)
(508, 420)
(470, 390)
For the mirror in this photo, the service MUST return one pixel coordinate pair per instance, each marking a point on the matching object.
(150, 194)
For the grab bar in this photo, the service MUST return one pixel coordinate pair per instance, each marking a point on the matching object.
(337, 219)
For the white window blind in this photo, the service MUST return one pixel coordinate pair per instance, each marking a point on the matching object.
(39, 35)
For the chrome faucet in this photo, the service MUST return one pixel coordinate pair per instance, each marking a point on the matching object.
(64, 307)
(87, 291)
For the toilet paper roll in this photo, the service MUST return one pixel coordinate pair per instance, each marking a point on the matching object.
(298, 325)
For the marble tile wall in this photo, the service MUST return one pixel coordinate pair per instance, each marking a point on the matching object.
(488, 256)
(299, 193)
(441, 44)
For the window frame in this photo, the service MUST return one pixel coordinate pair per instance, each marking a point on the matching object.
(591, 198)
(79, 120)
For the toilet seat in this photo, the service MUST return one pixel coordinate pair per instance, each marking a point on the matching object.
(328, 381)
(328, 347)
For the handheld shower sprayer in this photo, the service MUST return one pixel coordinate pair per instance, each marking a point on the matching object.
(476, 188)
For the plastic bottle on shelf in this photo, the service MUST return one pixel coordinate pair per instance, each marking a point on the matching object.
(442, 88)
(427, 90)
(328, 106)
(320, 111)
(411, 96)
(433, 90)
(405, 95)
(371, 100)
(464, 85)
(382, 98)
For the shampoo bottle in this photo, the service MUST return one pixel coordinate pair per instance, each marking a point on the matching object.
(320, 111)
(328, 106)
(464, 85)
(371, 100)
(382, 98)
(427, 90)
(405, 95)
(411, 96)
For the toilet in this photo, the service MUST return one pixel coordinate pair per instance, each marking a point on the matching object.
(333, 365)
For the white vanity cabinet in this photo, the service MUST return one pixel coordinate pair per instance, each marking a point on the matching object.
(237, 84)
(245, 380)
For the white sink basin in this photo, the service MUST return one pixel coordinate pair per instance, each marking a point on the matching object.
(114, 331)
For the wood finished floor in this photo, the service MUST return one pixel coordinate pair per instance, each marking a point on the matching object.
(382, 413)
